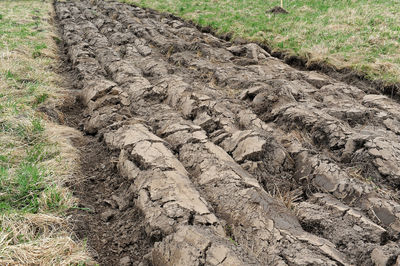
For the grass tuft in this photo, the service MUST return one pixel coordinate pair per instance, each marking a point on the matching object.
(41, 98)
(37, 52)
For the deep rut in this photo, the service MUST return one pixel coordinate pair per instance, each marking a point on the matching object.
(105, 216)
(203, 138)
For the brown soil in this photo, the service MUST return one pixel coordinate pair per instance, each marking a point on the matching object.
(199, 151)
(113, 233)
(277, 10)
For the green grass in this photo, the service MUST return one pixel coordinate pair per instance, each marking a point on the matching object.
(32, 168)
(23, 190)
(23, 151)
(362, 35)
(25, 181)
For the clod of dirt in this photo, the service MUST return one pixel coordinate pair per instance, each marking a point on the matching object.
(107, 215)
(277, 10)
(125, 261)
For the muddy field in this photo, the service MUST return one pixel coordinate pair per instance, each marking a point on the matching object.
(204, 152)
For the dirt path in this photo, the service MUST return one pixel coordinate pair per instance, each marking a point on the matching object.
(208, 153)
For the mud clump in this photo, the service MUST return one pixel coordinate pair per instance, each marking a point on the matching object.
(220, 154)
(277, 10)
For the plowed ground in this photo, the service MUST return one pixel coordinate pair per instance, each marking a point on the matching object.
(204, 152)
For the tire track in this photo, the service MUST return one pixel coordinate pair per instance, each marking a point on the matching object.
(173, 209)
(165, 97)
(218, 118)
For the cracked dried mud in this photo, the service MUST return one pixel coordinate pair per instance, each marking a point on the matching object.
(200, 151)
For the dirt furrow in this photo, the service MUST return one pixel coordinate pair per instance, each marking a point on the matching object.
(139, 154)
(332, 113)
(173, 209)
(261, 150)
(200, 123)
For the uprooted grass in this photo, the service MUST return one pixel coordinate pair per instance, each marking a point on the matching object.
(361, 35)
(36, 156)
